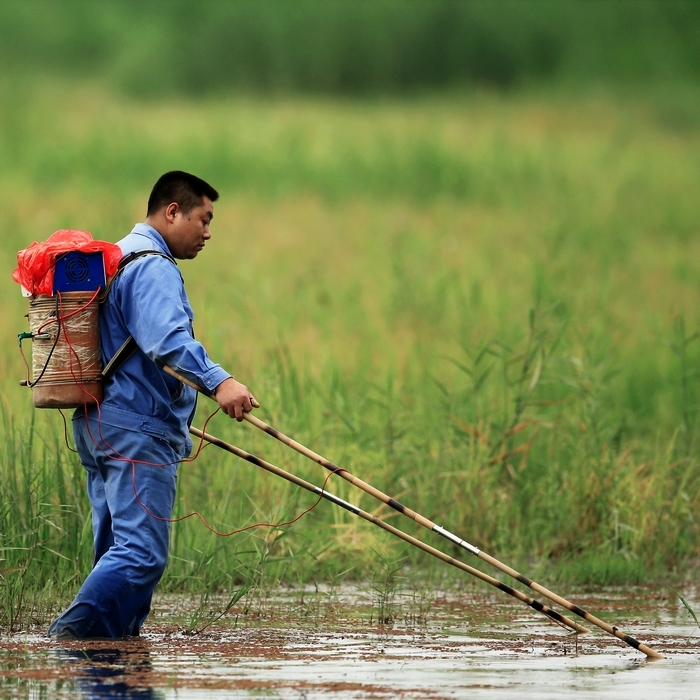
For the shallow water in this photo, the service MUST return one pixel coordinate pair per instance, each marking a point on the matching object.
(327, 643)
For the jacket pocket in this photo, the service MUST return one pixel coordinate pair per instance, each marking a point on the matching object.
(157, 430)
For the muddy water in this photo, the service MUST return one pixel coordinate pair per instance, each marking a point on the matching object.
(358, 643)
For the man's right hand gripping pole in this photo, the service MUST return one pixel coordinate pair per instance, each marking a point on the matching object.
(235, 398)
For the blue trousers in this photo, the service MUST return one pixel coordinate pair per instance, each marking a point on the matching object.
(131, 545)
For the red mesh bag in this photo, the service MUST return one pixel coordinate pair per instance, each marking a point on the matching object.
(35, 264)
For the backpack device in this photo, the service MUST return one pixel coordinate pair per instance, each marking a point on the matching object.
(67, 367)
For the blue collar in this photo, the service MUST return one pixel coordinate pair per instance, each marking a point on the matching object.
(152, 235)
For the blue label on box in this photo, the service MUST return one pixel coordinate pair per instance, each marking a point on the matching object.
(79, 272)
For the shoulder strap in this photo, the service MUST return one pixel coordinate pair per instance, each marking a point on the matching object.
(139, 254)
(129, 346)
(130, 258)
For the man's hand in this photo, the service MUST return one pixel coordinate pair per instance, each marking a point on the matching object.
(235, 398)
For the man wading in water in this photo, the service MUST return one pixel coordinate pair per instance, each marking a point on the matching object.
(142, 425)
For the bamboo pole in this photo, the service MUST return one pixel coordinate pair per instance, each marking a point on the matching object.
(425, 522)
(257, 461)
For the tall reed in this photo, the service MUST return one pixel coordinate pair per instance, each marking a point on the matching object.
(487, 307)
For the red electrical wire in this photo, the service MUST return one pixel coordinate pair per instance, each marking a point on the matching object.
(65, 432)
(209, 527)
(26, 364)
(117, 456)
(56, 320)
(67, 316)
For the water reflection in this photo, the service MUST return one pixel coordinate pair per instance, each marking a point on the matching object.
(468, 645)
(120, 670)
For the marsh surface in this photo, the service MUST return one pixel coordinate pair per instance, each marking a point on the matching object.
(329, 643)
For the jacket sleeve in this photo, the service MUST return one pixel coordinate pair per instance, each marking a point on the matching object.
(158, 316)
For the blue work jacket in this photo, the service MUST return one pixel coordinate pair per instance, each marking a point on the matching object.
(148, 301)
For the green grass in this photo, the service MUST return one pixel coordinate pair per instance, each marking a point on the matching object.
(486, 306)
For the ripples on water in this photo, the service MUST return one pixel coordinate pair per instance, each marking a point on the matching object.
(327, 643)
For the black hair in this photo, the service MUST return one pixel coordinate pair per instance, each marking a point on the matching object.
(177, 186)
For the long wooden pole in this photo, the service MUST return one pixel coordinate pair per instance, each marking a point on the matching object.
(257, 461)
(425, 522)
(422, 520)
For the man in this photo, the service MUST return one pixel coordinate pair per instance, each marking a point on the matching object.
(141, 428)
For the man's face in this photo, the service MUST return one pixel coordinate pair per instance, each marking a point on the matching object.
(191, 231)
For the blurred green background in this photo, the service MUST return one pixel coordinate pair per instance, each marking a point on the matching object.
(456, 252)
(351, 47)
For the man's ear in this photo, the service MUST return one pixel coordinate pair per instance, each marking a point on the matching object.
(170, 211)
